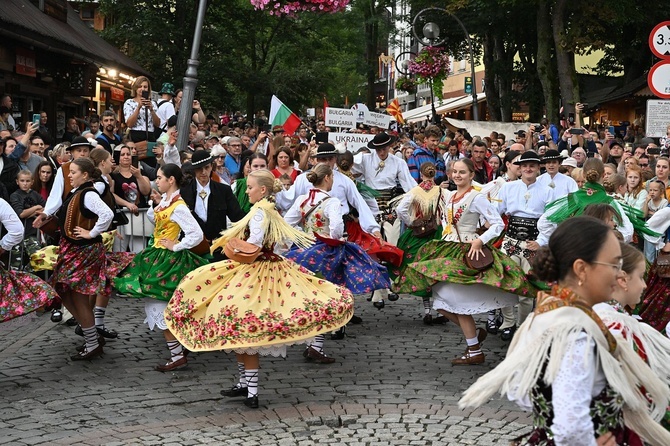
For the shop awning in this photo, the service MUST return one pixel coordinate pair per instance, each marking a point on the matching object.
(446, 105)
(23, 21)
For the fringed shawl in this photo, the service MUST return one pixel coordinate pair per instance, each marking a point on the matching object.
(543, 340)
(274, 226)
(425, 202)
(591, 193)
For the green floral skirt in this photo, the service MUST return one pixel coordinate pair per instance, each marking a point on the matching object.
(442, 261)
(410, 245)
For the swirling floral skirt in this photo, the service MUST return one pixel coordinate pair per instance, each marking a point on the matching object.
(347, 265)
(87, 269)
(156, 272)
(22, 293)
(411, 245)
(442, 261)
(248, 306)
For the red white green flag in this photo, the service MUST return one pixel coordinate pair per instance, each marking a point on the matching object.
(280, 114)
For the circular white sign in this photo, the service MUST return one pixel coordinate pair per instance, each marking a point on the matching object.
(658, 79)
(659, 40)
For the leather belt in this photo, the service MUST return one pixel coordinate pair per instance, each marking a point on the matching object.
(521, 228)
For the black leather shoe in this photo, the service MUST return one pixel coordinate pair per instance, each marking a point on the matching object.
(338, 335)
(393, 297)
(491, 327)
(56, 315)
(508, 333)
(379, 304)
(252, 402)
(87, 355)
(106, 333)
(71, 322)
(234, 391)
(440, 320)
(101, 343)
(78, 330)
(356, 320)
(428, 319)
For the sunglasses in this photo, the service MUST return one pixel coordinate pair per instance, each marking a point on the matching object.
(644, 165)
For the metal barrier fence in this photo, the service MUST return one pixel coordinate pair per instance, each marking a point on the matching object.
(135, 235)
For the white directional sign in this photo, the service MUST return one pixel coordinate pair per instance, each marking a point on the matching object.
(659, 40)
(354, 141)
(341, 117)
(658, 79)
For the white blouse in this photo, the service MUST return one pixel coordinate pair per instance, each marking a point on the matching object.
(129, 108)
(331, 209)
(12, 224)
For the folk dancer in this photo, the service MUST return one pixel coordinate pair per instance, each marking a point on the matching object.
(523, 201)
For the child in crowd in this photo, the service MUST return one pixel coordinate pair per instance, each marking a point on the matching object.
(27, 203)
(655, 200)
(286, 181)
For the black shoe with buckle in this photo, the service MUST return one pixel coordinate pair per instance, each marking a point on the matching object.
(508, 333)
(491, 326)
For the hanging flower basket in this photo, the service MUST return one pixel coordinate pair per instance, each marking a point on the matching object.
(406, 84)
(292, 7)
(431, 65)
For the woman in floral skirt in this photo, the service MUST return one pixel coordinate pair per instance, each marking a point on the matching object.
(458, 290)
(256, 308)
(420, 203)
(336, 260)
(22, 292)
(156, 270)
(81, 271)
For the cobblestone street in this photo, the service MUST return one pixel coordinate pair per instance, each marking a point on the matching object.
(392, 384)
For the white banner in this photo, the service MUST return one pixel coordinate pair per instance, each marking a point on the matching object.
(657, 118)
(377, 120)
(354, 141)
(341, 117)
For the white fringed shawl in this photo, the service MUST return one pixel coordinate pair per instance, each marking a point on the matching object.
(638, 335)
(274, 226)
(557, 330)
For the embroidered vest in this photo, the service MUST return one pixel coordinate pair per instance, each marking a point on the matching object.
(165, 228)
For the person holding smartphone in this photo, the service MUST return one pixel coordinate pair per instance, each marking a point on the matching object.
(140, 111)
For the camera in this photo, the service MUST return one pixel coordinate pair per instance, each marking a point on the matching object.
(538, 128)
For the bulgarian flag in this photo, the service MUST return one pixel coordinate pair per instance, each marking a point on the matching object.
(282, 115)
(394, 110)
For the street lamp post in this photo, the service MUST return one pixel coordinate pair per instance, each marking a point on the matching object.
(190, 81)
(431, 32)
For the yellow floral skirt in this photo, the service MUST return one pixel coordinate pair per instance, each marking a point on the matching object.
(248, 307)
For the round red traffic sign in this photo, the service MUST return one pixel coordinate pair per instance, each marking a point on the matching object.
(659, 40)
(658, 79)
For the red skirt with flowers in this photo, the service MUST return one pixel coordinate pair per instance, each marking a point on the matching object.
(86, 269)
(22, 293)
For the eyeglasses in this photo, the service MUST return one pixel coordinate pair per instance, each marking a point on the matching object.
(234, 145)
(221, 157)
(617, 266)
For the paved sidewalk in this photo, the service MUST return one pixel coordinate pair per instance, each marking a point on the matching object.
(392, 384)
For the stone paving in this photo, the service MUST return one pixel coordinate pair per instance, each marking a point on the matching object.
(392, 384)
